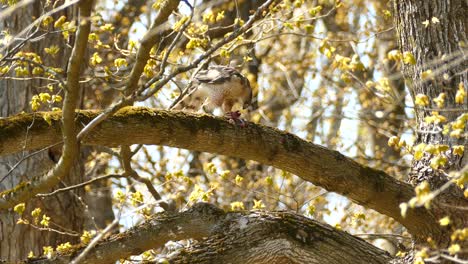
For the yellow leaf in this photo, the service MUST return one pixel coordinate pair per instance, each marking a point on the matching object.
(45, 220)
(426, 23)
(19, 208)
(59, 22)
(64, 248)
(444, 221)
(422, 188)
(36, 212)
(239, 179)
(435, 118)
(258, 204)
(87, 236)
(178, 25)
(454, 249)
(393, 141)
(421, 100)
(440, 100)
(426, 74)
(408, 58)
(47, 118)
(239, 21)
(461, 94)
(438, 161)
(236, 206)
(225, 174)
(387, 14)
(220, 16)
(315, 10)
(418, 154)
(394, 55)
(48, 251)
(458, 150)
(52, 50)
(37, 71)
(47, 20)
(107, 27)
(95, 59)
(210, 168)
(422, 253)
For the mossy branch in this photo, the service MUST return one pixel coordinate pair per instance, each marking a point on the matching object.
(321, 166)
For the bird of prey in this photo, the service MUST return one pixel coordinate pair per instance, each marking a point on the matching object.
(218, 87)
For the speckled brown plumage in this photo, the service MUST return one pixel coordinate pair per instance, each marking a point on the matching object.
(217, 87)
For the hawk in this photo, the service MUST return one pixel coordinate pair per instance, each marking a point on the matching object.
(218, 87)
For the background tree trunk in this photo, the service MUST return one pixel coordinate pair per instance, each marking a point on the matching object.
(437, 47)
(65, 210)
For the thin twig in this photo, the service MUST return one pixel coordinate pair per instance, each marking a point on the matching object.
(93, 242)
(76, 186)
(27, 157)
(126, 159)
(187, 87)
(174, 42)
(48, 229)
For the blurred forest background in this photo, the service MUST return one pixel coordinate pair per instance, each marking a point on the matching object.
(327, 71)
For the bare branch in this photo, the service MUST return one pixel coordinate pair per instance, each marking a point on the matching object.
(151, 37)
(126, 158)
(76, 186)
(93, 243)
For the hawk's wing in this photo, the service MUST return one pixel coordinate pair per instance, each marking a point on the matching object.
(216, 74)
(194, 98)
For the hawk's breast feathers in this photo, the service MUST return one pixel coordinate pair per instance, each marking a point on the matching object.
(218, 86)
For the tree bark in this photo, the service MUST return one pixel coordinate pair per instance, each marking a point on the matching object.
(323, 167)
(439, 48)
(236, 237)
(439, 54)
(65, 211)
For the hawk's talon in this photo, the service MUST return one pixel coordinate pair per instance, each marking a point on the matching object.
(234, 118)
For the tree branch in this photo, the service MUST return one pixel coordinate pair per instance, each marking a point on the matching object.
(70, 147)
(151, 37)
(280, 237)
(126, 160)
(321, 166)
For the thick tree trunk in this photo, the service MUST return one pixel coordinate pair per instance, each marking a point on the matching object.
(435, 33)
(438, 48)
(65, 210)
